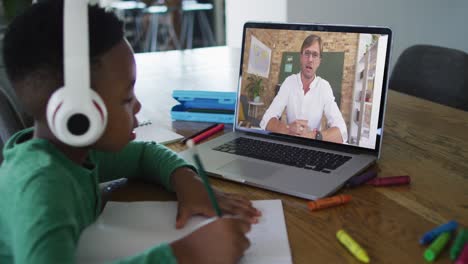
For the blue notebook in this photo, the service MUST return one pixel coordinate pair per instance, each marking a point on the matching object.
(204, 106)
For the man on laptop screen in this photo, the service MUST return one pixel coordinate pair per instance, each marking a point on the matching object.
(326, 83)
(306, 96)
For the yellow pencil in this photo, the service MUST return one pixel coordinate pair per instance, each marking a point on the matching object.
(352, 246)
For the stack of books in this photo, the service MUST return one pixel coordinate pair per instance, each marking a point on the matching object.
(204, 106)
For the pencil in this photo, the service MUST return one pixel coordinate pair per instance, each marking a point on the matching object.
(201, 173)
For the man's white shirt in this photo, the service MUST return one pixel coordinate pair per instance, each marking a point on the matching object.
(317, 101)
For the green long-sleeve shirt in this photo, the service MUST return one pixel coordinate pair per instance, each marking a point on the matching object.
(46, 200)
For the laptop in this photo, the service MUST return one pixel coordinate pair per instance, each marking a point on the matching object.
(310, 108)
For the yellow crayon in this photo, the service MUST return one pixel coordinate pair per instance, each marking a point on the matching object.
(352, 246)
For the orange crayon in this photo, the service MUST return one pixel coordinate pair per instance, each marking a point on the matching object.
(329, 202)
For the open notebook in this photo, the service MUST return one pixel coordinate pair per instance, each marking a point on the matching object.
(149, 131)
(125, 229)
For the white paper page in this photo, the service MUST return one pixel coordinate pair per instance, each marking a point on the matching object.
(126, 229)
(159, 134)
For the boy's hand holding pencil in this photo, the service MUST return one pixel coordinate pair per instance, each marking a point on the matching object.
(221, 241)
(196, 197)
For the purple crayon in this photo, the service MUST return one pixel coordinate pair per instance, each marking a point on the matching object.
(361, 179)
(463, 258)
(390, 181)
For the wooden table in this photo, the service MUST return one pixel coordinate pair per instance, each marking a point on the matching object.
(422, 139)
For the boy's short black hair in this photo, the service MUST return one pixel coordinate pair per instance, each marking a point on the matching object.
(33, 47)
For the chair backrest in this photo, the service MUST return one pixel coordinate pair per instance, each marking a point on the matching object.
(434, 73)
(10, 121)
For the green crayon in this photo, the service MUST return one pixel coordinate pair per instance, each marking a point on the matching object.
(457, 246)
(436, 247)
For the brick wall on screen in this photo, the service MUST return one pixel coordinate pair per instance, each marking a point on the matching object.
(291, 41)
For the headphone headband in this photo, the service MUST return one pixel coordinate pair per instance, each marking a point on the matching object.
(76, 47)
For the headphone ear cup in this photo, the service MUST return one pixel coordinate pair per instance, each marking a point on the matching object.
(100, 112)
(53, 106)
(74, 122)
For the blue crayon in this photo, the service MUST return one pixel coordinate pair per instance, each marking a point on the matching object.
(429, 236)
(361, 179)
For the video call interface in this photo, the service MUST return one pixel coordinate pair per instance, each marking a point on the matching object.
(313, 84)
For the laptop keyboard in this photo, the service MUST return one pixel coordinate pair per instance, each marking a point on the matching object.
(284, 154)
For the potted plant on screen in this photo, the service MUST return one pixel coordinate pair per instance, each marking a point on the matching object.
(254, 87)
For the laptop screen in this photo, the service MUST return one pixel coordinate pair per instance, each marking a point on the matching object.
(314, 82)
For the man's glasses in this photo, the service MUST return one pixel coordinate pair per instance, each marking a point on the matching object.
(313, 55)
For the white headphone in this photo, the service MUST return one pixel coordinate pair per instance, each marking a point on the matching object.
(76, 114)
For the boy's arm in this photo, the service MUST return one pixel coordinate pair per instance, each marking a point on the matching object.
(146, 160)
(48, 214)
(46, 222)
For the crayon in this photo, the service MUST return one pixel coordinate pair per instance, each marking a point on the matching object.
(463, 258)
(429, 236)
(328, 202)
(208, 133)
(457, 246)
(431, 253)
(390, 181)
(360, 179)
(352, 246)
(184, 141)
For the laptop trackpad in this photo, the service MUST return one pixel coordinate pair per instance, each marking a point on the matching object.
(248, 169)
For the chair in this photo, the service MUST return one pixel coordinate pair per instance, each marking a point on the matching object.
(131, 13)
(250, 119)
(434, 73)
(10, 121)
(190, 9)
(158, 14)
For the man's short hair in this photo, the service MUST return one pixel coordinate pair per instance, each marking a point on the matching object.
(33, 49)
(310, 40)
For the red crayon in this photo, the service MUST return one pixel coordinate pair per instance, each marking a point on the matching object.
(198, 133)
(390, 181)
(208, 133)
